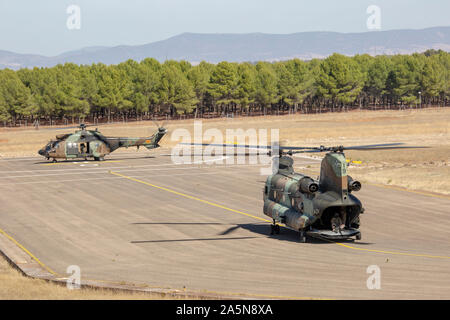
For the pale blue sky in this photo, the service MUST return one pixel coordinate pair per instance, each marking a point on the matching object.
(39, 26)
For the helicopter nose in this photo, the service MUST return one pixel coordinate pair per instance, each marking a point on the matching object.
(42, 152)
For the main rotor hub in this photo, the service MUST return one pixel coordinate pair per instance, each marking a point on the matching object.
(338, 149)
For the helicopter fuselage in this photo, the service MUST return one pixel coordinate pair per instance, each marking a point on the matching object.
(92, 144)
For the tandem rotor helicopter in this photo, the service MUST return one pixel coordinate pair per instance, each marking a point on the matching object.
(319, 208)
(93, 144)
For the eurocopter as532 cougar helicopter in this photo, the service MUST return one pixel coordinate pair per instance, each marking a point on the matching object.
(323, 208)
(93, 144)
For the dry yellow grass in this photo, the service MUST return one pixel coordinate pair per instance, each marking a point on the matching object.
(419, 169)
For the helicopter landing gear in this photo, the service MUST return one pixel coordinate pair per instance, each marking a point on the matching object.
(358, 236)
(99, 158)
(274, 228)
(54, 161)
(302, 236)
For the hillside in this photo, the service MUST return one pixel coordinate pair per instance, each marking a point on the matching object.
(247, 47)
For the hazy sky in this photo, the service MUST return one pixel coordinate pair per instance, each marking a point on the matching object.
(39, 26)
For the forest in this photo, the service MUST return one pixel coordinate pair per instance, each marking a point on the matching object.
(147, 89)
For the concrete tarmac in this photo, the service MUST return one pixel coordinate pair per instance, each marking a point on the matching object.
(138, 218)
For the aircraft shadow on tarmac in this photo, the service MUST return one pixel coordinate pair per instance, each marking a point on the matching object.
(262, 229)
(188, 239)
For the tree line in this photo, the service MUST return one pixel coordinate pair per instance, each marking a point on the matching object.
(135, 90)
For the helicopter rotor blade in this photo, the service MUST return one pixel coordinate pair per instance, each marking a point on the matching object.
(373, 146)
(226, 145)
(77, 126)
(383, 146)
(59, 128)
(294, 150)
(387, 148)
(245, 146)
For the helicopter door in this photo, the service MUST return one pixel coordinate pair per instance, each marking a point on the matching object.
(84, 148)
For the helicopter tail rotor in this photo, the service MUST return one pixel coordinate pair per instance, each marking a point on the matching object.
(161, 129)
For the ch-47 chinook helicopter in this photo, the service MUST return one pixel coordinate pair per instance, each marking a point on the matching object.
(93, 144)
(321, 208)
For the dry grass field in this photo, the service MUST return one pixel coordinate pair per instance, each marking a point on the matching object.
(416, 169)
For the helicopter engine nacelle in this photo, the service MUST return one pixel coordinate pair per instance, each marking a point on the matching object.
(353, 185)
(308, 185)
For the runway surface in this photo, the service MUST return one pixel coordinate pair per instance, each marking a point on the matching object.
(139, 218)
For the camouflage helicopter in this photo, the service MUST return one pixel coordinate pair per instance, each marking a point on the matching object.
(93, 144)
(320, 208)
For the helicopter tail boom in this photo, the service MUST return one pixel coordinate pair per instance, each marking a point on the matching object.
(150, 142)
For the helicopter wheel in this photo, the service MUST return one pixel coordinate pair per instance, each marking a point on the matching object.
(277, 229)
(358, 236)
(54, 161)
(303, 236)
(272, 229)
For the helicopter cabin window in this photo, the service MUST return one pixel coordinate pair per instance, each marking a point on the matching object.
(72, 148)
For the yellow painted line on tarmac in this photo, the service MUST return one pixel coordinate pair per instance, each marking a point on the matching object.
(189, 197)
(392, 252)
(262, 219)
(28, 252)
(78, 162)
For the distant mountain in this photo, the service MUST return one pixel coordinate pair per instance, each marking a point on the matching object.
(214, 48)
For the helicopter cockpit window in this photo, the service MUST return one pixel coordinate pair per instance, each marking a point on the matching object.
(51, 144)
